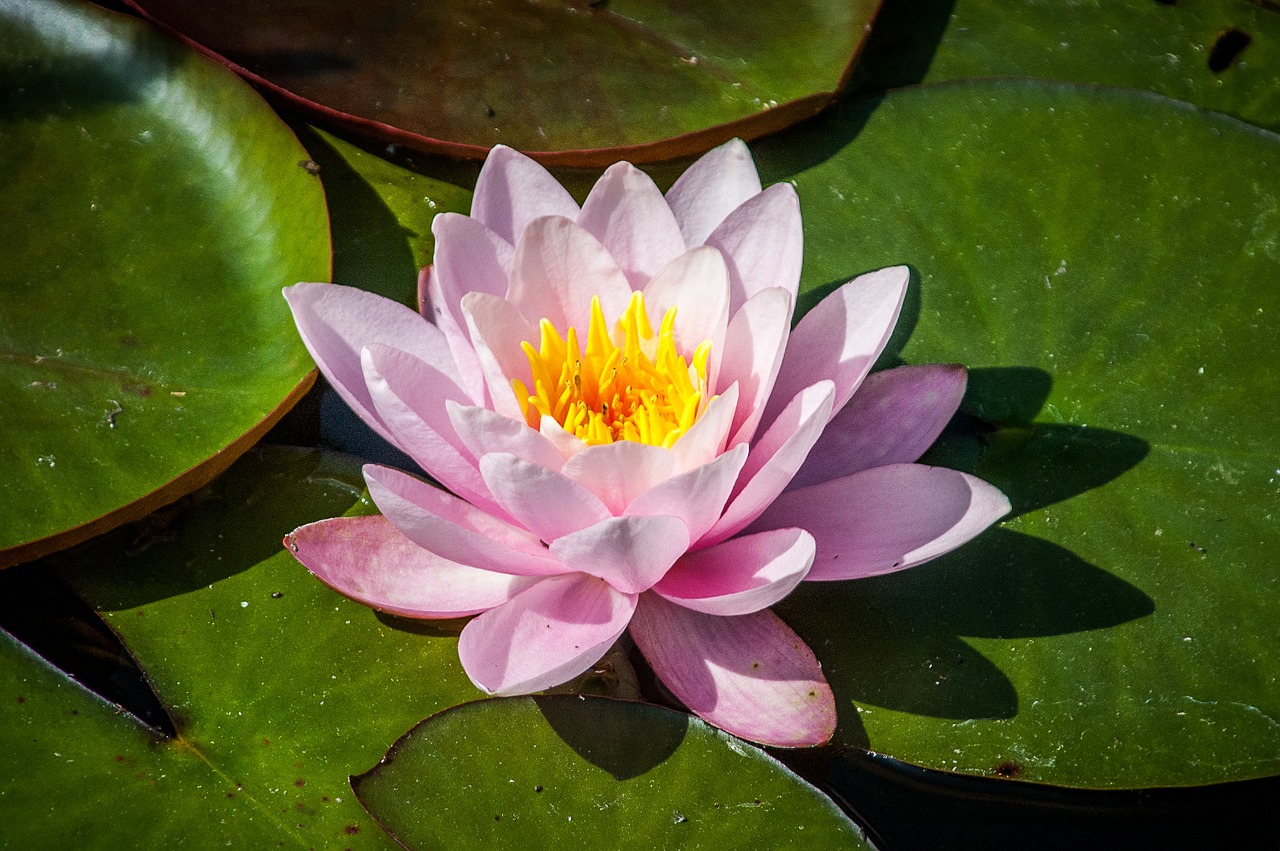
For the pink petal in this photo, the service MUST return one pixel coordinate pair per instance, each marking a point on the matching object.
(337, 322)
(749, 675)
(557, 269)
(568, 444)
(887, 518)
(630, 553)
(706, 438)
(712, 188)
(545, 635)
(629, 216)
(484, 432)
(774, 460)
(547, 503)
(513, 190)
(696, 284)
(697, 496)
(497, 329)
(454, 529)
(893, 418)
(742, 575)
(763, 244)
(753, 349)
(469, 257)
(369, 560)
(430, 299)
(842, 337)
(619, 472)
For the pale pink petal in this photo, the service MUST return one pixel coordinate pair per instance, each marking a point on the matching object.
(337, 322)
(484, 432)
(469, 257)
(630, 553)
(545, 635)
(696, 284)
(455, 529)
(887, 518)
(741, 575)
(568, 444)
(619, 472)
(753, 349)
(497, 329)
(712, 188)
(629, 216)
(697, 496)
(370, 561)
(750, 675)
(470, 374)
(706, 438)
(557, 269)
(774, 460)
(893, 418)
(547, 503)
(513, 190)
(842, 337)
(763, 244)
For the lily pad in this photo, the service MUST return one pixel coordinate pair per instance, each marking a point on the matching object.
(154, 208)
(1107, 260)
(583, 83)
(543, 772)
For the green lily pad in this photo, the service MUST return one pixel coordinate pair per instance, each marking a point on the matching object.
(278, 687)
(1107, 261)
(154, 209)
(543, 772)
(582, 83)
(1220, 54)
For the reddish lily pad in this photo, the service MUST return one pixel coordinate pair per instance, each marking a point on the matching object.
(583, 83)
(154, 208)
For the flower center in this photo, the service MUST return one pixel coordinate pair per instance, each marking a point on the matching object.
(633, 385)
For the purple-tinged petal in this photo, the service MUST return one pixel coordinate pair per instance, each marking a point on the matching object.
(513, 190)
(706, 438)
(750, 675)
(484, 432)
(893, 418)
(629, 216)
(557, 269)
(696, 496)
(619, 472)
(545, 635)
(630, 553)
(741, 575)
(696, 284)
(497, 329)
(370, 561)
(337, 322)
(774, 460)
(763, 244)
(712, 188)
(753, 349)
(430, 301)
(886, 518)
(842, 337)
(547, 503)
(469, 257)
(455, 529)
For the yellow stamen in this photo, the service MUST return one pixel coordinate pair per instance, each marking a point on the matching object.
(631, 385)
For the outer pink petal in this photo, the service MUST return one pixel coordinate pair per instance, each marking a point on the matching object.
(706, 438)
(774, 460)
(763, 244)
(497, 328)
(484, 432)
(712, 188)
(887, 518)
(893, 418)
(337, 322)
(628, 214)
(455, 529)
(749, 675)
(630, 553)
(513, 190)
(547, 503)
(696, 284)
(697, 496)
(842, 337)
(619, 472)
(557, 269)
(754, 345)
(545, 635)
(369, 560)
(742, 575)
(431, 306)
(469, 257)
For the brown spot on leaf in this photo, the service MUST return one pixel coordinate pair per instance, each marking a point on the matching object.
(1010, 769)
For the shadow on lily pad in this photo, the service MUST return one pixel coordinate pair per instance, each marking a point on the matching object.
(624, 744)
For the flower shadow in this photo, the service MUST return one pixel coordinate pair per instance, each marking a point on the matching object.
(625, 744)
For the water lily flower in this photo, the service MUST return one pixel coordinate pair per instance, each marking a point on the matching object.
(631, 435)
